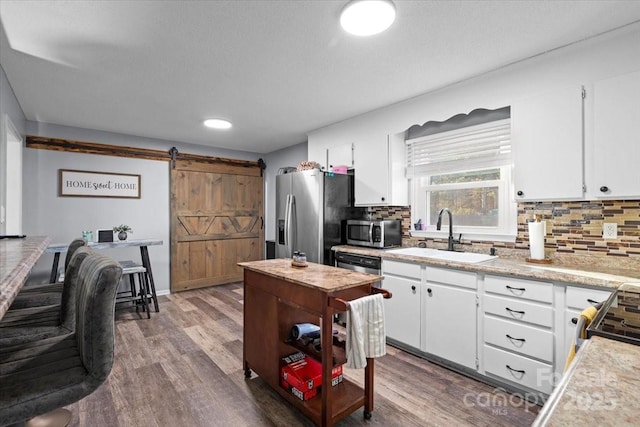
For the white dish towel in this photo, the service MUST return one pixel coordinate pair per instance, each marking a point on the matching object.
(365, 330)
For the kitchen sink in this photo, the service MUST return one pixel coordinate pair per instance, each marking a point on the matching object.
(465, 257)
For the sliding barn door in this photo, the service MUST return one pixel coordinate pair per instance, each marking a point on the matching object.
(216, 222)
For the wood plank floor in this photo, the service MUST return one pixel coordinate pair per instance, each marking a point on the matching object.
(183, 367)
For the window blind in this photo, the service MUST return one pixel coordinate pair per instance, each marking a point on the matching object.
(474, 147)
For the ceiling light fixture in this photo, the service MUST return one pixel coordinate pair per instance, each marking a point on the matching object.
(217, 123)
(367, 17)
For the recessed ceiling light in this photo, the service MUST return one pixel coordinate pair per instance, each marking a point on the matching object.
(367, 17)
(217, 123)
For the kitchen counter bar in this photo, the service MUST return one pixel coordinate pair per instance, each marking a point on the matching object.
(17, 258)
(578, 273)
(600, 388)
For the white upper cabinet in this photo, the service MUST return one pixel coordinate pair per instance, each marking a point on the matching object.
(547, 144)
(616, 138)
(379, 164)
(340, 155)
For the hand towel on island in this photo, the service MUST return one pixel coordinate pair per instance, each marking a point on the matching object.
(365, 330)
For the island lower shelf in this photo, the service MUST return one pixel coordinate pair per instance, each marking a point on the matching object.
(346, 398)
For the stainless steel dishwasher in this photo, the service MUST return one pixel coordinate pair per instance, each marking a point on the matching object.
(361, 263)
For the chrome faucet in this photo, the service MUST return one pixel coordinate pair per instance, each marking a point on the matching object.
(451, 240)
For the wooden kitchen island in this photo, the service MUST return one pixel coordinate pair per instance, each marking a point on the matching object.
(278, 296)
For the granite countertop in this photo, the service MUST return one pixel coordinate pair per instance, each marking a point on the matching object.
(316, 276)
(17, 258)
(578, 272)
(600, 388)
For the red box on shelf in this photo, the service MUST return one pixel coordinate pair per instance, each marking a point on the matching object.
(302, 395)
(305, 373)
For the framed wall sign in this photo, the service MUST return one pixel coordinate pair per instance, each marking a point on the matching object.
(75, 183)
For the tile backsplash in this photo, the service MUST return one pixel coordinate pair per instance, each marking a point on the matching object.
(572, 227)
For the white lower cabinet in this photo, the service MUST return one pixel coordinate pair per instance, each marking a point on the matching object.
(518, 331)
(521, 370)
(525, 325)
(450, 323)
(519, 338)
(402, 312)
(449, 328)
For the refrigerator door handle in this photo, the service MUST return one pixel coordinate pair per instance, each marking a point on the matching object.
(288, 226)
(286, 223)
(371, 233)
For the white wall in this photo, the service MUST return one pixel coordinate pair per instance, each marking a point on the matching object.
(290, 156)
(609, 55)
(64, 218)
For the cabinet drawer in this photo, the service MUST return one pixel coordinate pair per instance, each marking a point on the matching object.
(578, 297)
(519, 288)
(522, 311)
(519, 338)
(464, 279)
(405, 269)
(518, 369)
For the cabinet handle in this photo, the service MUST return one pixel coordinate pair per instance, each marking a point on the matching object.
(604, 189)
(511, 288)
(628, 325)
(574, 320)
(520, 193)
(514, 311)
(520, 371)
(592, 301)
(516, 339)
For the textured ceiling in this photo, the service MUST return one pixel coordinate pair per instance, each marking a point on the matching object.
(276, 69)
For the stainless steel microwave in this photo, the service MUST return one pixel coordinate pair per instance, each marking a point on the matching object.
(374, 233)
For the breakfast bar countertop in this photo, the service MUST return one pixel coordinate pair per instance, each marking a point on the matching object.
(600, 387)
(580, 271)
(17, 258)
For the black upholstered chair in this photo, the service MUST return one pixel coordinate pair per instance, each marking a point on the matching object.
(49, 320)
(43, 375)
(49, 293)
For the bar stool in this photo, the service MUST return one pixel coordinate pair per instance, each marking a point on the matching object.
(141, 294)
(50, 293)
(41, 374)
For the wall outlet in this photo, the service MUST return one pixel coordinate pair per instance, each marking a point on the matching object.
(609, 230)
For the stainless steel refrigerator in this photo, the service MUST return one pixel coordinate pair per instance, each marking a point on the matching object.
(310, 208)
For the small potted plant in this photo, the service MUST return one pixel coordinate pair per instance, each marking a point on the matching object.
(122, 231)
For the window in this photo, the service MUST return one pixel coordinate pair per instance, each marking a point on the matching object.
(467, 170)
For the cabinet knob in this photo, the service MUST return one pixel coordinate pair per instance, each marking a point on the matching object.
(413, 288)
(382, 198)
(520, 193)
(429, 291)
(604, 189)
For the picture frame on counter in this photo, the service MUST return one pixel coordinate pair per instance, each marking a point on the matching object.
(79, 183)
